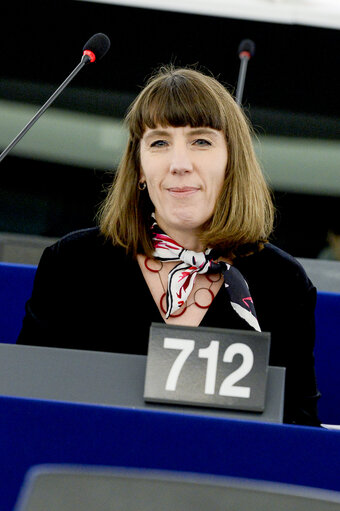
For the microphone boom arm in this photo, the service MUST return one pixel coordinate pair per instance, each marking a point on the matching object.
(241, 78)
(246, 50)
(85, 59)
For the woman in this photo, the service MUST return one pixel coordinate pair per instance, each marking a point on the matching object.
(182, 238)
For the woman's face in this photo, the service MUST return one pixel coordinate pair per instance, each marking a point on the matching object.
(184, 169)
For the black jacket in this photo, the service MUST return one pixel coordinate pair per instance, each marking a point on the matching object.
(89, 295)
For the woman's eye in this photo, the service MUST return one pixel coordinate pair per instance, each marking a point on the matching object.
(202, 142)
(159, 143)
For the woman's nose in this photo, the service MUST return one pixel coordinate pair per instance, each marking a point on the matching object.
(181, 162)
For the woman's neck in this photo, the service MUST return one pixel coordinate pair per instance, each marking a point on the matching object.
(188, 241)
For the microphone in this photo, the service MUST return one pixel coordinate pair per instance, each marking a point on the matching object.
(246, 50)
(95, 49)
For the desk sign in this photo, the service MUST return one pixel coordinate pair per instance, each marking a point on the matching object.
(202, 366)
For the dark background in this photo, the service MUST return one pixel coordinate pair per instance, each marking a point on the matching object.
(291, 89)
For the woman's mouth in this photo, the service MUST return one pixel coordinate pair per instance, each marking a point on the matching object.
(182, 191)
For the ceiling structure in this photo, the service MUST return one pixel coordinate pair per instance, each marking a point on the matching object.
(318, 13)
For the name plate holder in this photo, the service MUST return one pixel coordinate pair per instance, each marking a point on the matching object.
(210, 367)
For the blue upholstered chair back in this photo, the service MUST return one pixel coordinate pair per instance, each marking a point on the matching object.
(16, 282)
(327, 355)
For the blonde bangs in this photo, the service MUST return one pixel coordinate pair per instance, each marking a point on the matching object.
(174, 100)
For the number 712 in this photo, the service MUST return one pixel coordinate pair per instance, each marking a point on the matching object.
(228, 387)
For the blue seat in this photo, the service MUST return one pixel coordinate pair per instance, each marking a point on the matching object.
(327, 355)
(16, 282)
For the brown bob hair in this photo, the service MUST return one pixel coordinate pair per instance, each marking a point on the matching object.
(243, 217)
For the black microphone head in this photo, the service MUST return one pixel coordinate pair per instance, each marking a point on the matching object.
(248, 46)
(98, 45)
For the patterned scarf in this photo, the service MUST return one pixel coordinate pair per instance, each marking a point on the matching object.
(182, 277)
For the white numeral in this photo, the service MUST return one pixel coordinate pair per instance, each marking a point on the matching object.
(227, 387)
(186, 346)
(211, 353)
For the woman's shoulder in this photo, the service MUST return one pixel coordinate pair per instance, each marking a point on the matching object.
(274, 263)
(80, 238)
(84, 245)
(275, 255)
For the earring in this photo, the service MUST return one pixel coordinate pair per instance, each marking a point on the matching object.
(141, 185)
